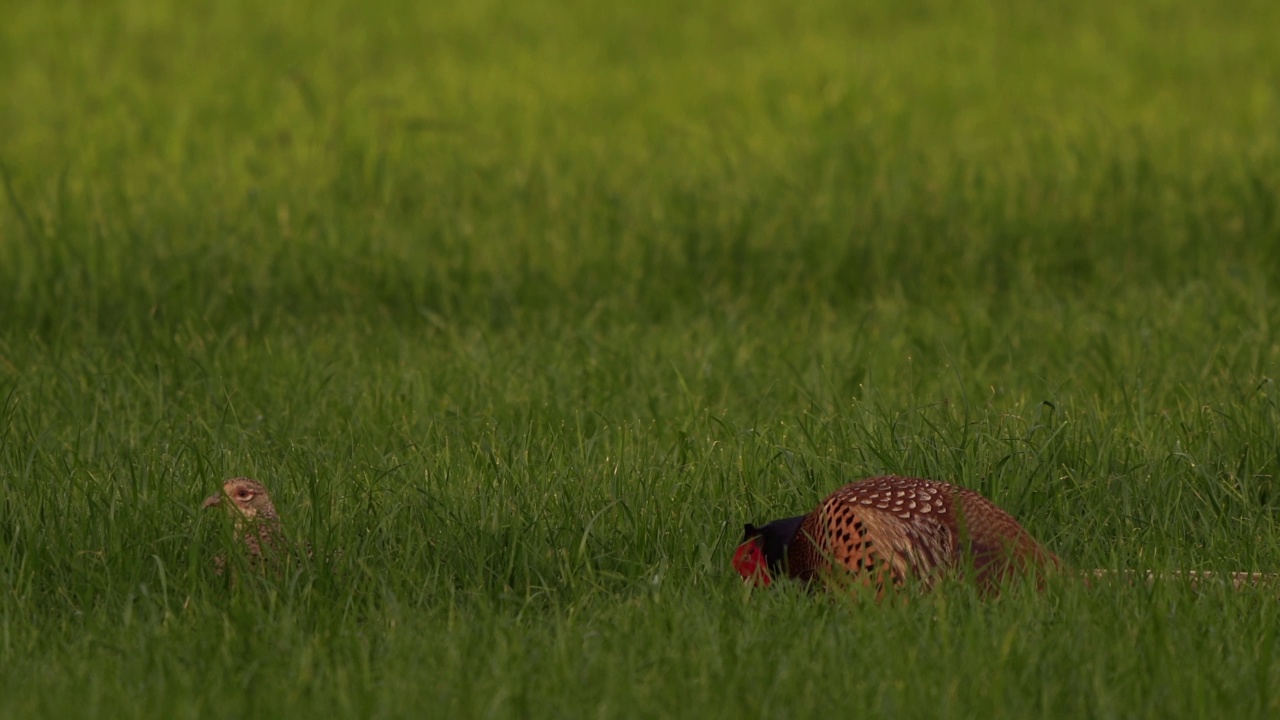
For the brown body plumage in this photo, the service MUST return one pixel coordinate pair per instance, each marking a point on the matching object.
(889, 530)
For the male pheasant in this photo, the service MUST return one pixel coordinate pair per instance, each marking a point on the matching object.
(889, 530)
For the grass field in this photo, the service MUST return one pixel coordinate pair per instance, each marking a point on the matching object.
(527, 307)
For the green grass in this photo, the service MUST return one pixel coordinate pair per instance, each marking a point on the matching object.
(527, 307)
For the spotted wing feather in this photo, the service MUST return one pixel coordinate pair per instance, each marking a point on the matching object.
(894, 528)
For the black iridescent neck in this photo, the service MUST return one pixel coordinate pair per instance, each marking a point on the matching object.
(776, 537)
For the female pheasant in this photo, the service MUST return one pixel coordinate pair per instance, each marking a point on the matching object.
(888, 530)
(257, 525)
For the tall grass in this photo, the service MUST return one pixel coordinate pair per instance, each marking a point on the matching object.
(526, 308)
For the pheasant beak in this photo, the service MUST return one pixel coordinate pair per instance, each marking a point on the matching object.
(211, 501)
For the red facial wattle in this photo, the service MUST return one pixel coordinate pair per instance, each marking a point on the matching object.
(750, 563)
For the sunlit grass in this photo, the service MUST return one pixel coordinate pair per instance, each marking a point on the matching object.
(527, 308)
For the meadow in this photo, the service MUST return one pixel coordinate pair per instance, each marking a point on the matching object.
(525, 308)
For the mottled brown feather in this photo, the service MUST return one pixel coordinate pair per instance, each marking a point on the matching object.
(893, 529)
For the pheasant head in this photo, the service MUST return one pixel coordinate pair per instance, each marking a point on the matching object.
(257, 524)
(762, 554)
(246, 499)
